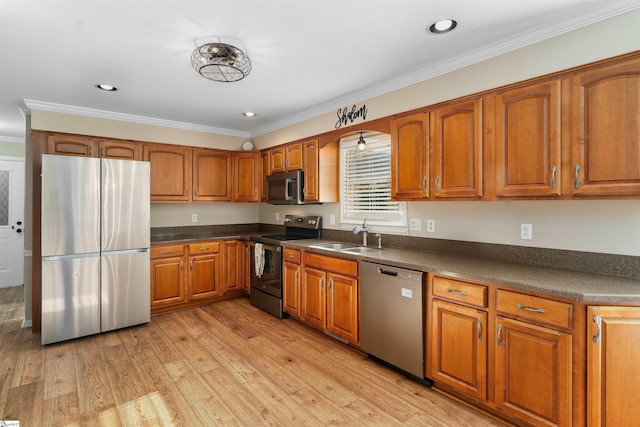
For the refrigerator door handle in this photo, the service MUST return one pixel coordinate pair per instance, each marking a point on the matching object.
(125, 251)
(61, 257)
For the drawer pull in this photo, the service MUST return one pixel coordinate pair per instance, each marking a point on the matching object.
(479, 328)
(167, 252)
(205, 249)
(499, 335)
(598, 321)
(461, 293)
(291, 256)
(533, 310)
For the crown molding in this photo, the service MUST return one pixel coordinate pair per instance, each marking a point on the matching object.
(537, 35)
(111, 115)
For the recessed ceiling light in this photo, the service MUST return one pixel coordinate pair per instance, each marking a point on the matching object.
(107, 88)
(442, 26)
(249, 114)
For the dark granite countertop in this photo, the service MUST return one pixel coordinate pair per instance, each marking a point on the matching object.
(569, 284)
(191, 238)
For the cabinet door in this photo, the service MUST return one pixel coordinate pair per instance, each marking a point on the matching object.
(277, 160)
(313, 296)
(232, 252)
(170, 172)
(605, 133)
(342, 307)
(246, 267)
(167, 281)
(458, 354)
(291, 288)
(293, 157)
(533, 373)
(528, 141)
(265, 170)
(211, 175)
(204, 276)
(410, 157)
(457, 145)
(311, 172)
(71, 145)
(613, 352)
(246, 176)
(122, 150)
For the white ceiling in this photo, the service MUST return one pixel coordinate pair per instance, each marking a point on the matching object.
(309, 57)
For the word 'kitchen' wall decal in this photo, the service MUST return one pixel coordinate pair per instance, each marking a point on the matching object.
(346, 116)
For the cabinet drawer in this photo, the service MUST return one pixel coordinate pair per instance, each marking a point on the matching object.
(291, 255)
(167, 251)
(336, 265)
(539, 310)
(204, 248)
(456, 290)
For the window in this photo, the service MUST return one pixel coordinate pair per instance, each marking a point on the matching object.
(366, 185)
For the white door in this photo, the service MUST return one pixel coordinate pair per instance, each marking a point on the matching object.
(11, 222)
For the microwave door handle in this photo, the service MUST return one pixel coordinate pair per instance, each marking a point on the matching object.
(288, 187)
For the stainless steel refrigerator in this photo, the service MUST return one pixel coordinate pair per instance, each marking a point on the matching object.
(95, 246)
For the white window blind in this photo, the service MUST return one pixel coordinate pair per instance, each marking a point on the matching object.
(366, 184)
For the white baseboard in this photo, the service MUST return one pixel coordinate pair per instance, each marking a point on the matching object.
(26, 323)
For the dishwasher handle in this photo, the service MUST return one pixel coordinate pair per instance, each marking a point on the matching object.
(387, 272)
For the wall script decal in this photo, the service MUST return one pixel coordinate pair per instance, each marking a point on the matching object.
(345, 116)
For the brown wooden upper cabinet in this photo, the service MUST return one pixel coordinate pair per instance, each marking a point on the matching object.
(76, 145)
(605, 134)
(410, 157)
(211, 175)
(264, 172)
(457, 150)
(528, 140)
(246, 176)
(286, 158)
(321, 172)
(170, 172)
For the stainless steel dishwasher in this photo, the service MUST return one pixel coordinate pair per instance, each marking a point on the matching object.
(392, 320)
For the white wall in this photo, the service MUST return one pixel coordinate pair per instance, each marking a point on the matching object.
(220, 213)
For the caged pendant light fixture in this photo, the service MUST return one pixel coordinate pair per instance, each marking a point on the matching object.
(221, 62)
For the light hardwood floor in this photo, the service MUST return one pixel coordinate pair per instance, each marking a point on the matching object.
(223, 364)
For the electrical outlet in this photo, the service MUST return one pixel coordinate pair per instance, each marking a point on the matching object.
(332, 220)
(194, 218)
(415, 224)
(526, 232)
(277, 216)
(431, 226)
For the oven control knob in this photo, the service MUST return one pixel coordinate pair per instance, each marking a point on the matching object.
(287, 220)
(312, 221)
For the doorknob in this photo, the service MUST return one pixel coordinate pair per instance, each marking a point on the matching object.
(19, 230)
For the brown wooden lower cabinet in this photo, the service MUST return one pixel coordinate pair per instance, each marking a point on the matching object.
(291, 278)
(183, 275)
(613, 368)
(330, 295)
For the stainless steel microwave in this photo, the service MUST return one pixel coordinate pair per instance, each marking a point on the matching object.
(286, 188)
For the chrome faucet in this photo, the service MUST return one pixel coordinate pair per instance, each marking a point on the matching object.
(364, 230)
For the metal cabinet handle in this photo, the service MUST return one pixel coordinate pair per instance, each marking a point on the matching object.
(101, 151)
(533, 310)
(167, 252)
(499, 335)
(437, 183)
(191, 265)
(424, 184)
(462, 293)
(297, 275)
(576, 183)
(90, 151)
(322, 283)
(479, 328)
(181, 266)
(598, 322)
(186, 192)
(331, 285)
(553, 177)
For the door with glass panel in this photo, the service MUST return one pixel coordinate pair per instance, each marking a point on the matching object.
(11, 222)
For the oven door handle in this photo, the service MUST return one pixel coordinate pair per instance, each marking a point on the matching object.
(267, 247)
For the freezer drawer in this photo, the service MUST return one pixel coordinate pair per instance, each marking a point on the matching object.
(70, 297)
(125, 289)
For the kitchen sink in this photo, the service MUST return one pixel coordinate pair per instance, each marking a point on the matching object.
(335, 246)
(360, 250)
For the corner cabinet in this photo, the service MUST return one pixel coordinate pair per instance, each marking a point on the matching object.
(605, 137)
(170, 172)
(410, 157)
(330, 295)
(613, 353)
